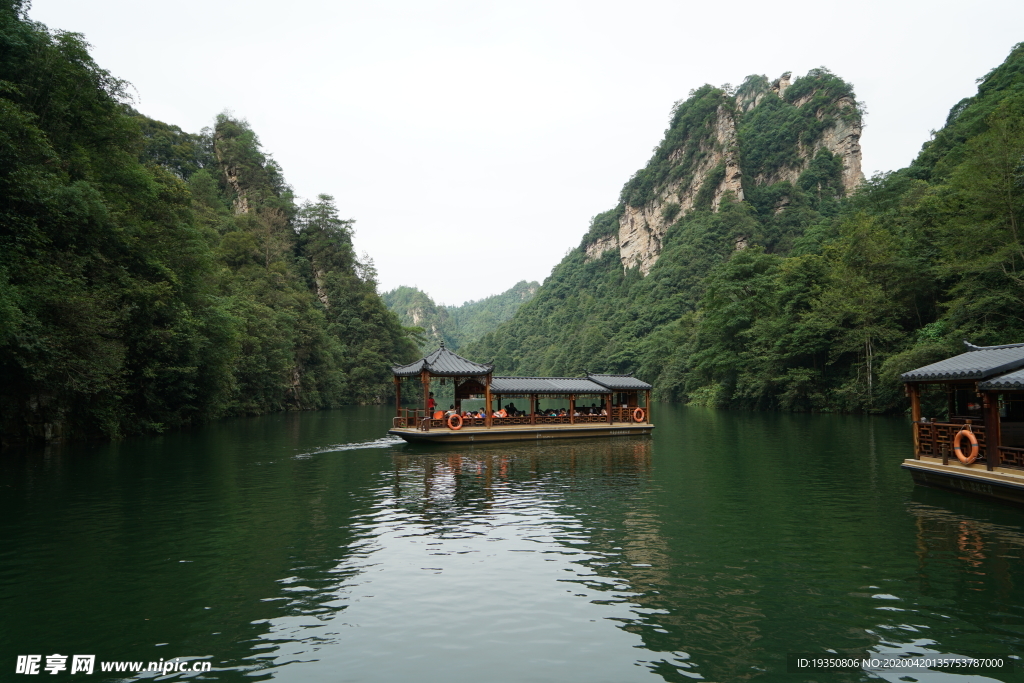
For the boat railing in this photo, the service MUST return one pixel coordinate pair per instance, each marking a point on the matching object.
(411, 418)
(517, 420)
(1011, 457)
(935, 439)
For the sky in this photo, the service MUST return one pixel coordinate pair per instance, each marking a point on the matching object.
(473, 141)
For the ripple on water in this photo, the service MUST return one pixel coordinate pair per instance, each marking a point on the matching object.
(307, 548)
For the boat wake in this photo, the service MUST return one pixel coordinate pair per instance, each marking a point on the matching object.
(383, 442)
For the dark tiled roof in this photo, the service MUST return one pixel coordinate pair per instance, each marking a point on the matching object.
(619, 382)
(442, 362)
(980, 362)
(545, 385)
(1013, 381)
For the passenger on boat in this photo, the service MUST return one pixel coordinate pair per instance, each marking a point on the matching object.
(501, 413)
(451, 411)
(431, 403)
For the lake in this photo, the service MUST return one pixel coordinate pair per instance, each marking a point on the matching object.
(311, 547)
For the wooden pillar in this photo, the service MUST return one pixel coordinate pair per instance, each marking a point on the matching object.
(425, 378)
(992, 430)
(647, 405)
(945, 451)
(572, 409)
(487, 398)
(914, 391)
(933, 434)
(533, 409)
(608, 406)
(398, 396)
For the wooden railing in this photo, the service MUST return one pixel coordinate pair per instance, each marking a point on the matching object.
(935, 439)
(1011, 457)
(409, 418)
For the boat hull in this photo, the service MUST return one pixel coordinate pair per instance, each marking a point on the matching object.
(1000, 484)
(522, 433)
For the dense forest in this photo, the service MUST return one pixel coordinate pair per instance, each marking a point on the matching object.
(152, 278)
(456, 326)
(802, 295)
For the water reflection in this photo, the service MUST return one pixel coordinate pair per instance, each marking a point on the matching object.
(310, 548)
(510, 559)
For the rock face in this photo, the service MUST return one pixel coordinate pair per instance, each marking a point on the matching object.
(841, 138)
(641, 229)
(596, 250)
(240, 203)
(717, 161)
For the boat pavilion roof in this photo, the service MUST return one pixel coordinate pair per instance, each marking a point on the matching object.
(618, 382)
(977, 363)
(444, 363)
(546, 385)
(1013, 381)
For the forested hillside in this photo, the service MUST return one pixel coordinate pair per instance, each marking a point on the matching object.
(456, 326)
(768, 283)
(151, 278)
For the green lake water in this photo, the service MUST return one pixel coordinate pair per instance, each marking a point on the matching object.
(311, 547)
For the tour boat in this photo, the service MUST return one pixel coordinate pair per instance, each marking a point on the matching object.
(599, 404)
(977, 445)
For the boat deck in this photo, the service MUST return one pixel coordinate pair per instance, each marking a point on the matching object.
(524, 432)
(1004, 483)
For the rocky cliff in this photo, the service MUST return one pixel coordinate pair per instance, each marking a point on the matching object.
(722, 142)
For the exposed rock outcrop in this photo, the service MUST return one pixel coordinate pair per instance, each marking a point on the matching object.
(596, 250)
(240, 203)
(841, 138)
(780, 84)
(717, 161)
(641, 229)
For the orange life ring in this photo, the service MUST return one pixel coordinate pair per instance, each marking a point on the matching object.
(638, 415)
(452, 419)
(974, 446)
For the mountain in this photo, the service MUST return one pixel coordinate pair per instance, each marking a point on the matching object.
(152, 278)
(748, 264)
(456, 325)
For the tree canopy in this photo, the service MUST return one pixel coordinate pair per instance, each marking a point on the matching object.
(152, 278)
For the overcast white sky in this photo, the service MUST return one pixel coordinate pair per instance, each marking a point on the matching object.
(472, 141)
